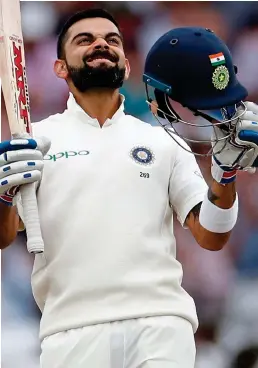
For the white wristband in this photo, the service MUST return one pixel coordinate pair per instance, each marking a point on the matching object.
(218, 220)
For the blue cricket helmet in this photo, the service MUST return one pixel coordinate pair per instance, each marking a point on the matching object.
(195, 68)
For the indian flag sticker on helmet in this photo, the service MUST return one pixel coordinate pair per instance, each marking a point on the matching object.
(220, 77)
(217, 59)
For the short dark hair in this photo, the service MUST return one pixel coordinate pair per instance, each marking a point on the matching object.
(88, 13)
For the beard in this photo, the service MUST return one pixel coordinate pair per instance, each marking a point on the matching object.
(86, 78)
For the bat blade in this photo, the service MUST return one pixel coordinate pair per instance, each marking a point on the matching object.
(16, 96)
(13, 72)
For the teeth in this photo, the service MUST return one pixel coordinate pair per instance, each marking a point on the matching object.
(98, 58)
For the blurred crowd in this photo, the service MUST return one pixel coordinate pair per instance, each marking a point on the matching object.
(224, 284)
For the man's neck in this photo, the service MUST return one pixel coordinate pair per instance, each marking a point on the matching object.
(99, 104)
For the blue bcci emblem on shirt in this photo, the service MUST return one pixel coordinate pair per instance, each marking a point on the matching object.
(142, 155)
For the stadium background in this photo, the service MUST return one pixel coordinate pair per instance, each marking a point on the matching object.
(224, 284)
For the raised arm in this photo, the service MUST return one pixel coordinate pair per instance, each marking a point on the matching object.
(211, 222)
(224, 198)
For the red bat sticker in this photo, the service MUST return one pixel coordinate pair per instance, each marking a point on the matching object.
(19, 74)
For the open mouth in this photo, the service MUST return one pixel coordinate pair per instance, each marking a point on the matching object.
(99, 59)
(102, 57)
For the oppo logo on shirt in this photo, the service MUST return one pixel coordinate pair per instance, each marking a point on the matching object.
(66, 154)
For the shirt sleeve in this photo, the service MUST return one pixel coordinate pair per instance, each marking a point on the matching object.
(187, 186)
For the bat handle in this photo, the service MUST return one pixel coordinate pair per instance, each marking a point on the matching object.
(31, 218)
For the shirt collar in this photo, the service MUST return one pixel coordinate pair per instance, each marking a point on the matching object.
(73, 107)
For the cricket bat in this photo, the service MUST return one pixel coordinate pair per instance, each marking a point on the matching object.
(15, 91)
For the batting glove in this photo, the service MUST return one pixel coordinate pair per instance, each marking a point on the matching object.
(21, 162)
(240, 151)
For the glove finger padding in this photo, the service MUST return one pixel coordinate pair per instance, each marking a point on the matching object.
(247, 135)
(20, 167)
(251, 107)
(21, 162)
(20, 155)
(248, 115)
(41, 144)
(19, 179)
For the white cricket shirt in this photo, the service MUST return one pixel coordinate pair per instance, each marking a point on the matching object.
(106, 217)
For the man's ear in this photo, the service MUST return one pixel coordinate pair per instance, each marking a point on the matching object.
(127, 69)
(60, 69)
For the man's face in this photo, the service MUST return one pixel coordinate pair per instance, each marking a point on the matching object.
(95, 56)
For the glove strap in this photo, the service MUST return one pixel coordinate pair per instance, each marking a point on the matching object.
(8, 196)
(223, 174)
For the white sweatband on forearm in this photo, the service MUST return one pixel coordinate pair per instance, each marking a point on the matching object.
(218, 220)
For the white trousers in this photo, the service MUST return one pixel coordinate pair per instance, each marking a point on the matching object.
(153, 342)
